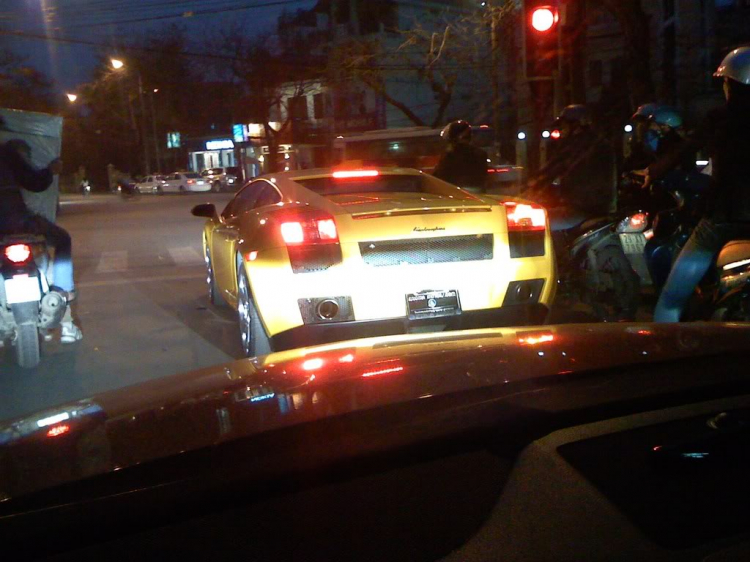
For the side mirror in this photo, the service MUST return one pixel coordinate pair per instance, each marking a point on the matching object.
(207, 210)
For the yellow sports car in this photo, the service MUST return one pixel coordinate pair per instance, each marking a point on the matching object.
(316, 256)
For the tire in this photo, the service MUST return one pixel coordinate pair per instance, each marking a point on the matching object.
(216, 187)
(159, 190)
(735, 308)
(613, 289)
(255, 341)
(27, 346)
(214, 295)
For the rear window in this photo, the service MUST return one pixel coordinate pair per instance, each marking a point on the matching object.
(192, 175)
(383, 184)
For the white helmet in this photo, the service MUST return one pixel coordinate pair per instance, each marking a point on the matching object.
(736, 66)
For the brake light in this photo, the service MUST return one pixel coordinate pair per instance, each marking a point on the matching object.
(58, 430)
(555, 134)
(292, 232)
(191, 181)
(313, 230)
(350, 174)
(18, 253)
(638, 220)
(535, 339)
(522, 216)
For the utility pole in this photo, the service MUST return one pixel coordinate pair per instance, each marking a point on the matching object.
(157, 151)
(144, 135)
(495, 73)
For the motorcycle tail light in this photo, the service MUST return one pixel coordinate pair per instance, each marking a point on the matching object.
(18, 253)
(633, 224)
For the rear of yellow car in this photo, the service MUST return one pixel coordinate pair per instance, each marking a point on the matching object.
(395, 252)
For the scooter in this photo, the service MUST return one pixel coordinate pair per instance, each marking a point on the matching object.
(591, 264)
(27, 305)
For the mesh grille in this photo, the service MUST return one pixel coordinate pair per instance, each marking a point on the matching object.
(427, 250)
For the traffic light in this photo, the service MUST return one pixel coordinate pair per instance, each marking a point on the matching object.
(541, 32)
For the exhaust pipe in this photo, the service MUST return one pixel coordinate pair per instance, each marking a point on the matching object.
(327, 309)
(51, 310)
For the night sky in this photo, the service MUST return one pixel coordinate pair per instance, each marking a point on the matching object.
(102, 21)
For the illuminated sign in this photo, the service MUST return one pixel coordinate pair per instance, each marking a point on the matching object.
(239, 133)
(223, 144)
(173, 140)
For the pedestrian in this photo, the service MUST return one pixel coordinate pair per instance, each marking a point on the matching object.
(462, 164)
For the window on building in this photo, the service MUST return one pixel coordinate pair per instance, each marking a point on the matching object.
(319, 111)
(596, 73)
(298, 108)
(376, 16)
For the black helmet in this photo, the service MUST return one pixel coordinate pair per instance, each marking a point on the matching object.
(456, 130)
(575, 115)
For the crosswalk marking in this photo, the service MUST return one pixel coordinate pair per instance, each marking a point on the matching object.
(111, 262)
(185, 256)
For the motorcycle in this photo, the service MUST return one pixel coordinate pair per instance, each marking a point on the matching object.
(85, 188)
(128, 190)
(654, 233)
(27, 305)
(591, 264)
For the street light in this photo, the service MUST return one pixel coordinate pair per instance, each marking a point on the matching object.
(117, 64)
(72, 97)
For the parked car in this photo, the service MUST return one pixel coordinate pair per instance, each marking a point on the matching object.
(182, 182)
(222, 179)
(151, 184)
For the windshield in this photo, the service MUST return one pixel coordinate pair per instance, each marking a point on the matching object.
(309, 214)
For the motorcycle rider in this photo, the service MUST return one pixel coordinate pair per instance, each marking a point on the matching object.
(641, 154)
(462, 164)
(17, 173)
(584, 165)
(727, 216)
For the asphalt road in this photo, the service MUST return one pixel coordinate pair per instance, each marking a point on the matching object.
(142, 303)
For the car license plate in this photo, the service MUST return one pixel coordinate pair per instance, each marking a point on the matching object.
(633, 243)
(22, 288)
(432, 304)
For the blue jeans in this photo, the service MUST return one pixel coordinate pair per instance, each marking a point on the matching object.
(57, 237)
(691, 265)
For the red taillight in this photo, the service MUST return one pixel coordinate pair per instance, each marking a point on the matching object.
(351, 174)
(522, 216)
(18, 253)
(191, 181)
(292, 232)
(58, 430)
(555, 134)
(313, 230)
(638, 220)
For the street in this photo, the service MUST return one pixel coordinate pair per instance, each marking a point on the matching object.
(142, 303)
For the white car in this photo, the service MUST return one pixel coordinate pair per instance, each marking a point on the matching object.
(151, 184)
(182, 182)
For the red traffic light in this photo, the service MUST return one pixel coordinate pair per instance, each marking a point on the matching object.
(544, 18)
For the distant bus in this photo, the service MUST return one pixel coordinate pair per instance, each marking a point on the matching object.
(419, 148)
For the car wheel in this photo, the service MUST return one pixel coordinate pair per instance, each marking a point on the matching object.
(159, 190)
(214, 295)
(216, 187)
(255, 341)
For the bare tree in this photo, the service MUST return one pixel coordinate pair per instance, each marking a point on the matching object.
(437, 55)
(268, 80)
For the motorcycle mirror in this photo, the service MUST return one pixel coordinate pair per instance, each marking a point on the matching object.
(207, 210)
